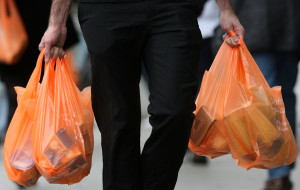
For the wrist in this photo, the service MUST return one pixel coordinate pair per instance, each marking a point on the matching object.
(56, 27)
(227, 12)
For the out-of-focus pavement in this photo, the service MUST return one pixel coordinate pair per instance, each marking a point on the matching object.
(219, 174)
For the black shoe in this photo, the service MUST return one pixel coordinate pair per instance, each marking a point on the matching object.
(199, 159)
(20, 186)
(282, 183)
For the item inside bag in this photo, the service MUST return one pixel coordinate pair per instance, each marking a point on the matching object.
(202, 123)
(268, 137)
(21, 159)
(62, 152)
(87, 142)
(249, 117)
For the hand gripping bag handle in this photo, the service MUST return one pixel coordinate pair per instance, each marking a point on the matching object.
(232, 33)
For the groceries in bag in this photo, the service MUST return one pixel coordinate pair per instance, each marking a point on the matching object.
(63, 131)
(243, 116)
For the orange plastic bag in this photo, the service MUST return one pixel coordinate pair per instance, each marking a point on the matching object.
(72, 66)
(63, 130)
(18, 152)
(12, 33)
(239, 114)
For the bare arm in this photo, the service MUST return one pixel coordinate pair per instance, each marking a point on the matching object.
(55, 35)
(229, 21)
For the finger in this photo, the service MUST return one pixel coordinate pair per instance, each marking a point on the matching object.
(240, 32)
(41, 45)
(231, 42)
(47, 52)
(235, 38)
(225, 36)
(61, 53)
(227, 27)
(54, 53)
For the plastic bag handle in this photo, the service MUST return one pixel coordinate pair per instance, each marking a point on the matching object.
(38, 68)
(3, 12)
(33, 82)
(232, 33)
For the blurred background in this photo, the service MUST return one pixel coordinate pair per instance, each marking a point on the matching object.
(196, 173)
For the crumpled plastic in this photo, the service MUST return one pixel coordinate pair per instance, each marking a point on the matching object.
(239, 114)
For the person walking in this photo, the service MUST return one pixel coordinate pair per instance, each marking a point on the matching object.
(120, 35)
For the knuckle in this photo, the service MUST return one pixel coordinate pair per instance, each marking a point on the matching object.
(227, 28)
(47, 42)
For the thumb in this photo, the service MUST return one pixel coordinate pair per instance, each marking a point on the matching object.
(47, 53)
(240, 31)
(41, 45)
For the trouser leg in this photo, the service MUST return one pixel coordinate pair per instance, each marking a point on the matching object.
(115, 43)
(171, 57)
(281, 68)
(288, 71)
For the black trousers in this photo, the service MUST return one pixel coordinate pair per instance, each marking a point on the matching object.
(164, 35)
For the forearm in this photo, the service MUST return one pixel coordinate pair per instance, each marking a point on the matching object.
(55, 35)
(225, 6)
(59, 13)
(229, 21)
